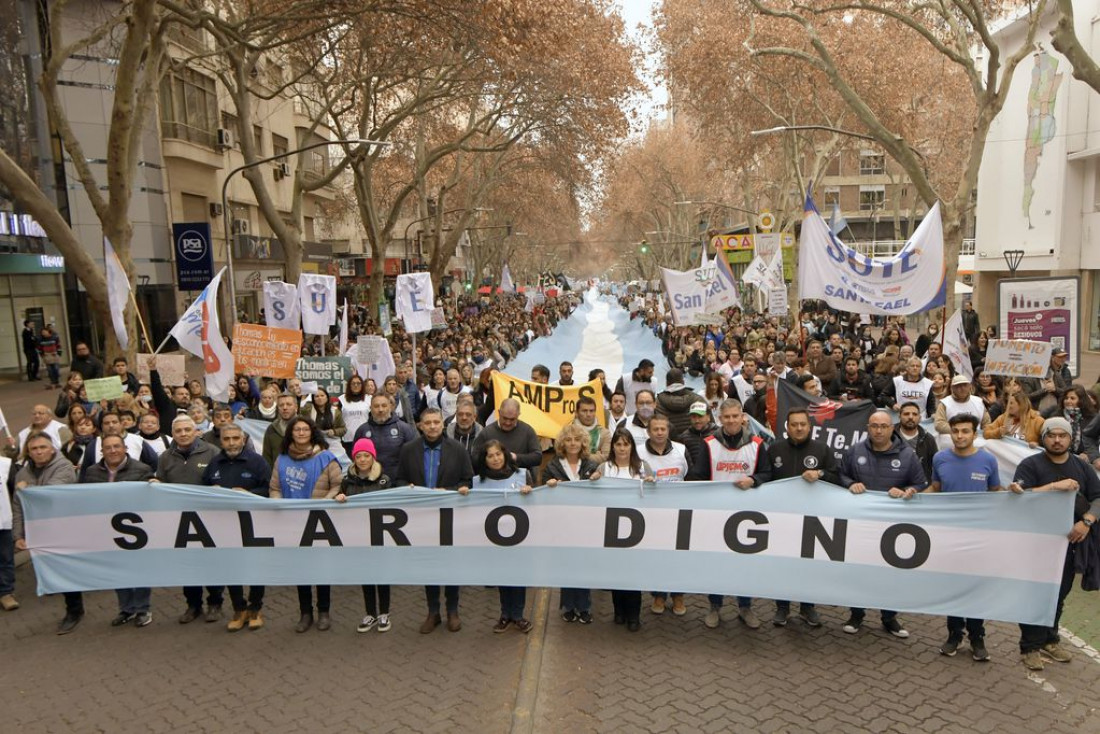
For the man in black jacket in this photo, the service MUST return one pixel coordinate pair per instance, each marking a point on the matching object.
(436, 462)
(30, 350)
(86, 363)
(851, 384)
(701, 427)
(798, 455)
(910, 431)
(167, 407)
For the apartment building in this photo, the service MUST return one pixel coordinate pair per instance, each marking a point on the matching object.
(1039, 199)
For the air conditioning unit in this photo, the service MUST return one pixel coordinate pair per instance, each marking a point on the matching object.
(282, 170)
(215, 210)
(240, 226)
(225, 138)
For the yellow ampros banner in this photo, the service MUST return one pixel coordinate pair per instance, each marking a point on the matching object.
(546, 408)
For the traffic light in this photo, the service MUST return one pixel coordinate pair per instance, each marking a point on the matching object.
(645, 247)
(469, 285)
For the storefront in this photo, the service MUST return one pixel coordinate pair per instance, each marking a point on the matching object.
(31, 287)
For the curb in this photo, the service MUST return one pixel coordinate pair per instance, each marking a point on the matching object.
(523, 709)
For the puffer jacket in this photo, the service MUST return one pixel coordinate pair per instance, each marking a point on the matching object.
(675, 403)
(898, 466)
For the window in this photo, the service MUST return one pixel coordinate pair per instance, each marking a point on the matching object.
(279, 145)
(189, 107)
(871, 198)
(258, 139)
(871, 163)
(832, 196)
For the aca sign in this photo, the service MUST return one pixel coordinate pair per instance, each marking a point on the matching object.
(194, 256)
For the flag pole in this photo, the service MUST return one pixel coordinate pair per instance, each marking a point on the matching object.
(141, 321)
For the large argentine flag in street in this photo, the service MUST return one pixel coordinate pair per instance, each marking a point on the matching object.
(911, 282)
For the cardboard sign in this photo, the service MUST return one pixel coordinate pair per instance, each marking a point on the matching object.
(330, 373)
(266, 350)
(439, 318)
(106, 388)
(171, 367)
(384, 319)
(1017, 358)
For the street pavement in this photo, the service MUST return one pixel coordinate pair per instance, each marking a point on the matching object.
(673, 675)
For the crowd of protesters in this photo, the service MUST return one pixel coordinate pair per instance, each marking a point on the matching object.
(439, 427)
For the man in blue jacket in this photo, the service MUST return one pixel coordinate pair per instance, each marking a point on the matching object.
(387, 432)
(881, 463)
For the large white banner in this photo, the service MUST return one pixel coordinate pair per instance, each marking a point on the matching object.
(913, 281)
(414, 301)
(317, 295)
(1044, 310)
(281, 307)
(974, 554)
(696, 296)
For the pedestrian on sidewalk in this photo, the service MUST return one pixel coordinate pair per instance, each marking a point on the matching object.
(30, 350)
(49, 346)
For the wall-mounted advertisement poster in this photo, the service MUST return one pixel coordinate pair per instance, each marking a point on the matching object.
(1042, 309)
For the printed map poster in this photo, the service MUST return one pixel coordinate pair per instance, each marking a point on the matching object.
(1043, 310)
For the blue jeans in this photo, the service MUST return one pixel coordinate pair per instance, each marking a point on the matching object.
(133, 601)
(7, 560)
(513, 599)
(576, 600)
(431, 595)
(716, 601)
(54, 372)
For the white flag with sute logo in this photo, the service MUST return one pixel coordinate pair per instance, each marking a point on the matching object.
(317, 296)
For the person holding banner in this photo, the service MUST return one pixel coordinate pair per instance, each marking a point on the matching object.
(365, 475)
(799, 455)
(117, 466)
(732, 454)
(238, 466)
(306, 469)
(1056, 469)
(571, 463)
(498, 470)
(882, 462)
(45, 467)
(436, 462)
(965, 468)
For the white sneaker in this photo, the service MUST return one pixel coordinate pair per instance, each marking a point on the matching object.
(383, 623)
(367, 624)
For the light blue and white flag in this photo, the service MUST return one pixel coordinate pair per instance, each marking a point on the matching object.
(507, 285)
(975, 555)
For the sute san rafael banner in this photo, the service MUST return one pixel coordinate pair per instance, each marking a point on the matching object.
(546, 408)
(913, 281)
(975, 555)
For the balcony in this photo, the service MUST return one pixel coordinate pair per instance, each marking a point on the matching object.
(889, 248)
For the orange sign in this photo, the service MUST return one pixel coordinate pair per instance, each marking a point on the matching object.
(265, 350)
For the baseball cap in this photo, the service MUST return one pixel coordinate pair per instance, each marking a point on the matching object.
(960, 380)
(1058, 352)
(698, 409)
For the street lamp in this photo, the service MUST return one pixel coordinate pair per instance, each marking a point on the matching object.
(225, 204)
(1013, 258)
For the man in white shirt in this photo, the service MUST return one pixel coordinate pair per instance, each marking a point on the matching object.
(960, 402)
(616, 412)
(645, 405)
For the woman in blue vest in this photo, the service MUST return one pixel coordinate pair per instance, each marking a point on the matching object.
(305, 469)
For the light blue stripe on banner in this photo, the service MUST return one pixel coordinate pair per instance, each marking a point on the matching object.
(821, 581)
(565, 545)
(988, 510)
